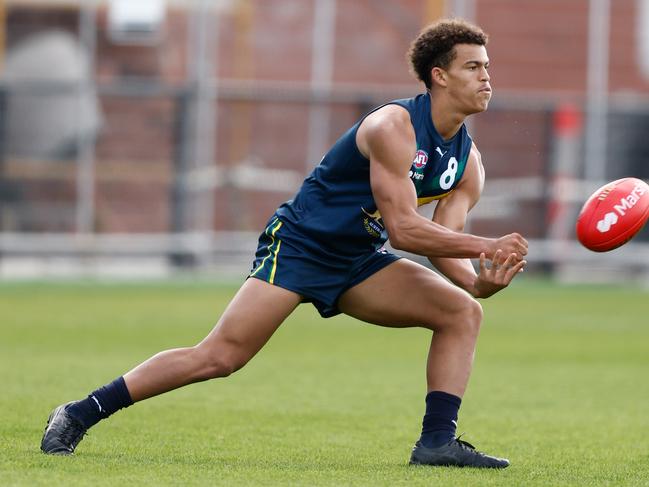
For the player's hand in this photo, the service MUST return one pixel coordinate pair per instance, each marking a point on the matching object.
(510, 244)
(498, 276)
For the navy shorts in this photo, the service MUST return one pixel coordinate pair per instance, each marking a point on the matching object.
(305, 266)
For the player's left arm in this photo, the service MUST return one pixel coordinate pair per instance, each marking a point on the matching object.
(451, 212)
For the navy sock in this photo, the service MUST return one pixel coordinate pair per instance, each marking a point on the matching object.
(440, 420)
(101, 403)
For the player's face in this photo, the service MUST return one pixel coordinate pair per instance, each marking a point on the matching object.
(468, 78)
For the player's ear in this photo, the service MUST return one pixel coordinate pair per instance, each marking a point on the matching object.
(438, 76)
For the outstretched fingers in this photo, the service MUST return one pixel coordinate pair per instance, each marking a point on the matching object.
(513, 270)
(497, 261)
(483, 263)
(504, 269)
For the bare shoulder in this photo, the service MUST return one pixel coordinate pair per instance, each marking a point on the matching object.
(388, 125)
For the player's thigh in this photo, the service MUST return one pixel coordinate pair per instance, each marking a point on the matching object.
(407, 294)
(251, 318)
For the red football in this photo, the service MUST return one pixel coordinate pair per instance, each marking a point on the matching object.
(613, 214)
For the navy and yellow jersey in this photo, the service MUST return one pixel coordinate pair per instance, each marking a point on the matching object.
(330, 236)
(335, 204)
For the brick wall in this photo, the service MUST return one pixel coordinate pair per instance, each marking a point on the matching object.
(538, 46)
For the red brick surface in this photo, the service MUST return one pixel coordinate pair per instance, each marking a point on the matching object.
(536, 45)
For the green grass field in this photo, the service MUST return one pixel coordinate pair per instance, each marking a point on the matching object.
(560, 386)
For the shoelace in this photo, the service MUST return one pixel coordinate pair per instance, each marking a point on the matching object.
(464, 443)
(468, 446)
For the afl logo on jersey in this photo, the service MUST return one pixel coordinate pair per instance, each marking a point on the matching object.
(420, 160)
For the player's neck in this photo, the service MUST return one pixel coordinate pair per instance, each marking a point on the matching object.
(446, 118)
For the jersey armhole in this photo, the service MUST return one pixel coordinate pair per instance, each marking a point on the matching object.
(362, 119)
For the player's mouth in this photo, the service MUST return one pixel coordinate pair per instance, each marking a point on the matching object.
(486, 89)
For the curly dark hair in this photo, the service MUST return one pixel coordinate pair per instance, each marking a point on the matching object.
(435, 46)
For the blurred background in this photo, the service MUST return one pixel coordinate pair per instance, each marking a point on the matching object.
(151, 138)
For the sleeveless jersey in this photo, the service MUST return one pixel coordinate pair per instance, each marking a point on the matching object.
(335, 204)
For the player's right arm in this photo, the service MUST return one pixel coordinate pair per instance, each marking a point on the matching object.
(387, 138)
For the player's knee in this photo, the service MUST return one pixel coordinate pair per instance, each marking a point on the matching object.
(464, 319)
(468, 319)
(219, 367)
(473, 315)
(214, 364)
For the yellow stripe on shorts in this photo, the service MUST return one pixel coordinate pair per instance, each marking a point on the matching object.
(271, 253)
(272, 272)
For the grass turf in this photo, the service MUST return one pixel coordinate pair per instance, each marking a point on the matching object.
(559, 386)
